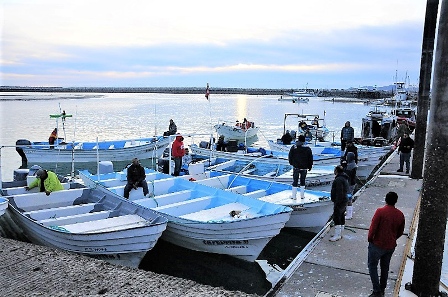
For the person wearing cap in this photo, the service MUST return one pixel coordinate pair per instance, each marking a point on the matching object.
(47, 181)
(136, 177)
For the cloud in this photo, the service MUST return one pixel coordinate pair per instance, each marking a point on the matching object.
(181, 42)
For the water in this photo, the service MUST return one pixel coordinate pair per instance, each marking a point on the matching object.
(125, 116)
(120, 115)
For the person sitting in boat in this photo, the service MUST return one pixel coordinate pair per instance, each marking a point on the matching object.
(246, 124)
(47, 181)
(53, 137)
(221, 145)
(172, 129)
(136, 177)
(186, 160)
(315, 122)
(287, 138)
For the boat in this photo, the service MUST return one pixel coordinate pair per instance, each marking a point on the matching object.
(282, 173)
(379, 127)
(310, 125)
(61, 151)
(3, 205)
(256, 154)
(294, 99)
(238, 131)
(406, 114)
(204, 218)
(114, 150)
(89, 222)
(301, 93)
(309, 214)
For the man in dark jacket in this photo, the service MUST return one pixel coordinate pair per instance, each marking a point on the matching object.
(347, 134)
(339, 190)
(404, 149)
(136, 178)
(351, 148)
(287, 138)
(301, 159)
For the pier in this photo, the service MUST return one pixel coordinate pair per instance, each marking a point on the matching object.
(323, 268)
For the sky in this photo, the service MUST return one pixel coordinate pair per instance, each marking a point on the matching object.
(229, 44)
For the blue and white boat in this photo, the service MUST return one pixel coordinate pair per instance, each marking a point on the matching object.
(3, 205)
(63, 151)
(88, 221)
(203, 218)
(282, 173)
(310, 213)
(114, 150)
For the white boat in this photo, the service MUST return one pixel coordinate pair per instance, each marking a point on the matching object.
(309, 214)
(237, 132)
(281, 173)
(3, 205)
(310, 125)
(276, 167)
(294, 99)
(90, 222)
(63, 151)
(379, 127)
(203, 218)
(301, 93)
(406, 114)
(258, 154)
(115, 150)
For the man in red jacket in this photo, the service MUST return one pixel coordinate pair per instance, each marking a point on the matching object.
(386, 227)
(177, 152)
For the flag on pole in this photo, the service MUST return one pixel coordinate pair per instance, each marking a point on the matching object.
(207, 92)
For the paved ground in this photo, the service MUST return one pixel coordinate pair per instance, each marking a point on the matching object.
(340, 268)
(31, 270)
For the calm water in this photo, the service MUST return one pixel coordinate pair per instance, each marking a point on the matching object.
(124, 116)
(120, 116)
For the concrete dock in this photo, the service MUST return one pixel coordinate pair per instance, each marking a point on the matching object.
(324, 268)
(340, 268)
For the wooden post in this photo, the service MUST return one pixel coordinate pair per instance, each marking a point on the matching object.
(434, 203)
(424, 88)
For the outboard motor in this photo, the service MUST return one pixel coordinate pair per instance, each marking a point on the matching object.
(20, 150)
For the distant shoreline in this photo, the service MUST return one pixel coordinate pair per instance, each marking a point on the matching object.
(194, 90)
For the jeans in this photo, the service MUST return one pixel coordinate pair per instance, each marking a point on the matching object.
(405, 158)
(382, 256)
(130, 186)
(177, 165)
(295, 177)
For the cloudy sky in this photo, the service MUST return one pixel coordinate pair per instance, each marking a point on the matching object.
(232, 43)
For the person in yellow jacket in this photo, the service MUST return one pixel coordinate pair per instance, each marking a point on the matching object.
(47, 182)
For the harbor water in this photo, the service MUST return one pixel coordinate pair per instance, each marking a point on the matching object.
(111, 116)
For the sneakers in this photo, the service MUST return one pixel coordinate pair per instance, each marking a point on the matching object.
(400, 170)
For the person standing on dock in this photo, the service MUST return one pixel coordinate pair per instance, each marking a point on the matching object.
(301, 159)
(339, 190)
(350, 170)
(347, 134)
(386, 227)
(404, 149)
